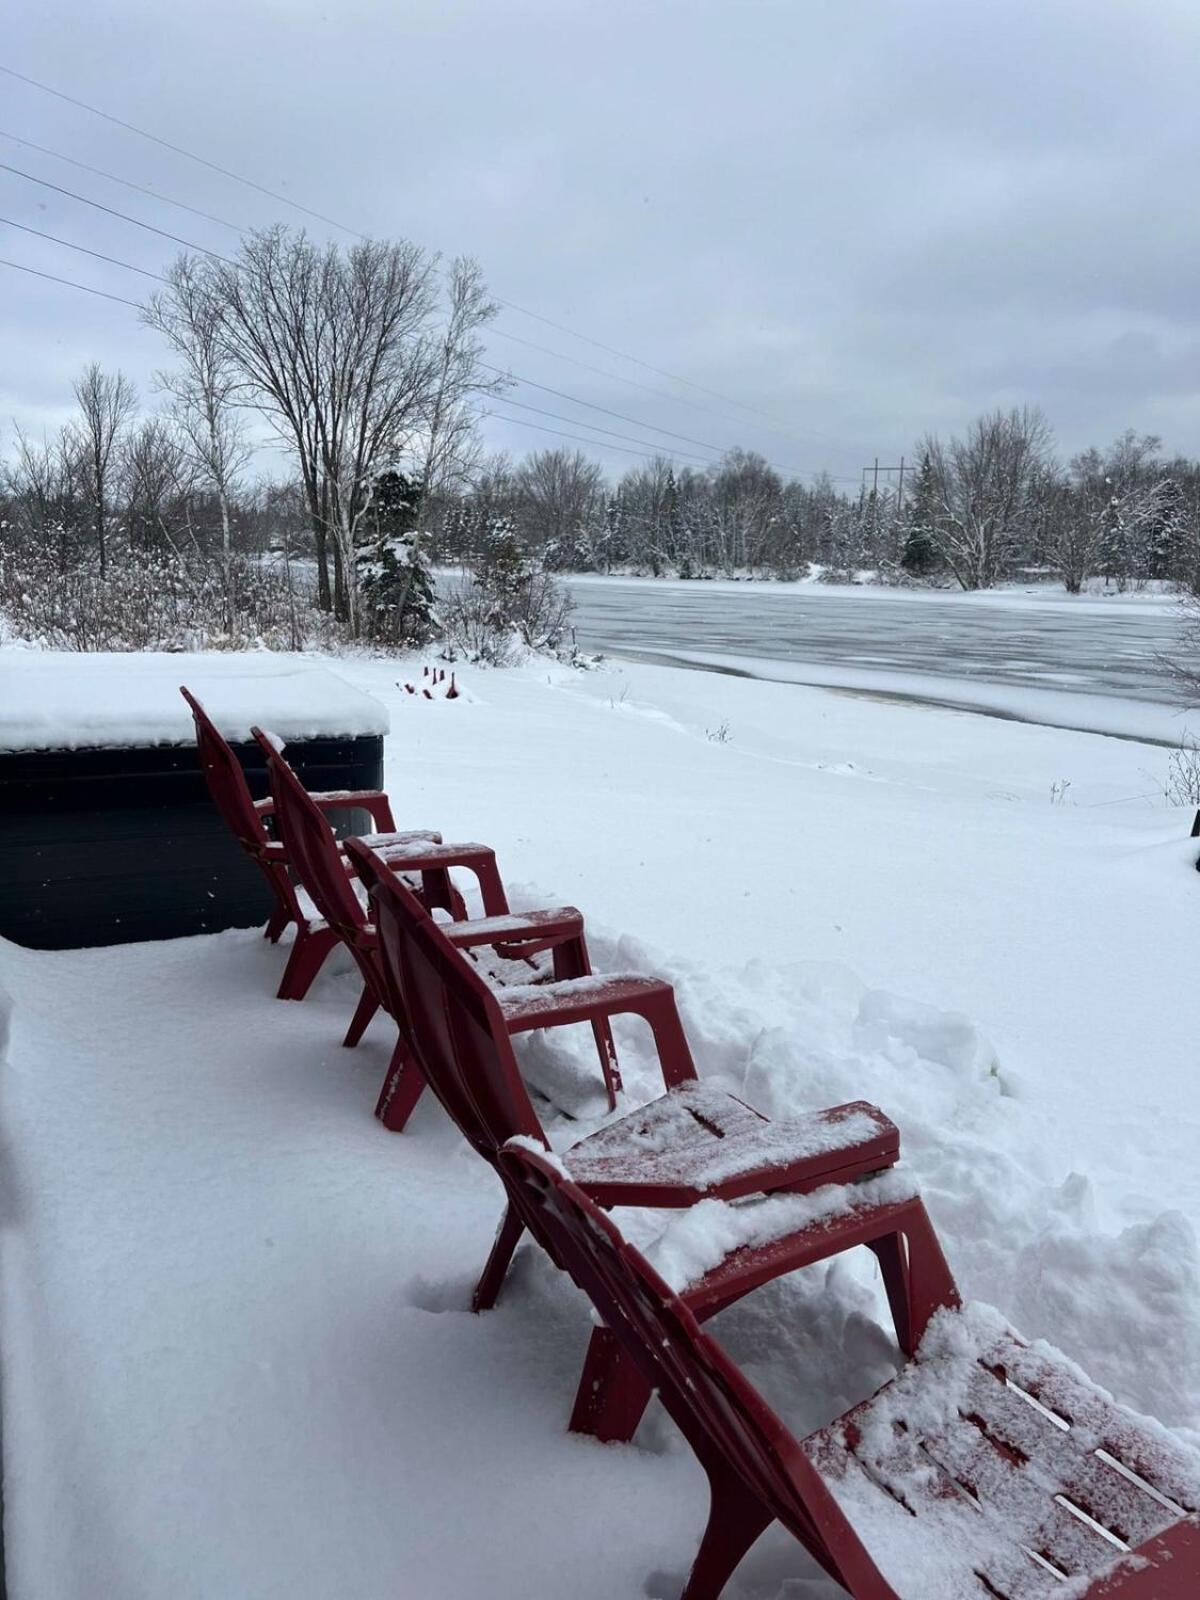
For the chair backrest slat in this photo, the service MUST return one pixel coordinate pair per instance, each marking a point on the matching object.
(311, 847)
(225, 778)
(456, 1029)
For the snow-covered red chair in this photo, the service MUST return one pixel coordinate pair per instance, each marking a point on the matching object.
(693, 1142)
(246, 819)
(988, 1469)
(328, 880)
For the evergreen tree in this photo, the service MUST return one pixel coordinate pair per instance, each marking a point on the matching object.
(395, 583)
(920, 554)
(1165, 529)
(503, 571)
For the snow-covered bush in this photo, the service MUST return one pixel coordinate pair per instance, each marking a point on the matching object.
(154, 600)
(1182, 787)
(510, 601)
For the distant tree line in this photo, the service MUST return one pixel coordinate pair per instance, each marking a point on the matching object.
(132, 528)
(992, 505)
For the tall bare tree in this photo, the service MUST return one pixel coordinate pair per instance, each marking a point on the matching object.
(345, 354)
(107, 402)
(452, 450)
(204, 392)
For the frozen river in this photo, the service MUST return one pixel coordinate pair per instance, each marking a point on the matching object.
(924, 647)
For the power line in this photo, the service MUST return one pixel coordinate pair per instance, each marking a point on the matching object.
(177, 149)
(561, 394)
(661, 372)
(595, 428)
(70, 283)
(510, 305)
(208, 216)
(621, 416)
(634, 383)
(529, 382)
(646, 455)
(66, 243)
(138, 188)
(124, 216)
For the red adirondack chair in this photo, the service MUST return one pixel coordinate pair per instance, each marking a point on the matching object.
(692, 1142)
(521, 937)
(246, 819)
(985, 1469)
(327, 879)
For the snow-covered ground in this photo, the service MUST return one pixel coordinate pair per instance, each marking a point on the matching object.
(237, 1358)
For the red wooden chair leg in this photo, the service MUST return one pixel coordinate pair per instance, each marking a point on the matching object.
(487, 1290)
(736, 1519)
(368, 1005)
(306, 960)
(276, 923)
(402, 1088)
(612, 1395)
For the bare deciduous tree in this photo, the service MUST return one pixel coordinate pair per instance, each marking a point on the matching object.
(559, 493)
(342, 352)
(157, 478)
(452, 449)
(107, 402)
(203, 392)
(983, 486)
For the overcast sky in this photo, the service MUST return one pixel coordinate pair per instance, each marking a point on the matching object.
(865, 220)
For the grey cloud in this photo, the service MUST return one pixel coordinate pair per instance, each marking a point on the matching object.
(866, 219)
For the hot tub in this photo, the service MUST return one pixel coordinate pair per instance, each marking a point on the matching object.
(107, 832)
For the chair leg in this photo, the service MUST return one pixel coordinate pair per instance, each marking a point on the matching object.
(736, 1519)
(306, 960)
(916, 1276)
(487, 1290)
(571, 961)
(402, 1088)
(893, 1263)
(368, 1005)
(607, 1051)
(612, 1395)
(276, 923)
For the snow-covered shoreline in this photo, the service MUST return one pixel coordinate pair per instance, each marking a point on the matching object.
(1014, 596)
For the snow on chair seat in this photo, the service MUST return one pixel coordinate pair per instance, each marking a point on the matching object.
(1021, 1477)
(699, 1138)
(987, 1470)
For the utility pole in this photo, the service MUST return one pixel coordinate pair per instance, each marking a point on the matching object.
(875, 469)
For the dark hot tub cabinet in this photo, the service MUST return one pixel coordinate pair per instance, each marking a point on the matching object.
(107, 832)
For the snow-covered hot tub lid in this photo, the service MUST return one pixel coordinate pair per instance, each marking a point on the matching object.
(59, 700)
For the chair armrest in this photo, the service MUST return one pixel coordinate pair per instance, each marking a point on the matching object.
(412, 836)
(596, 998)
(372, 800)
(547, 927)
(419, 853)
